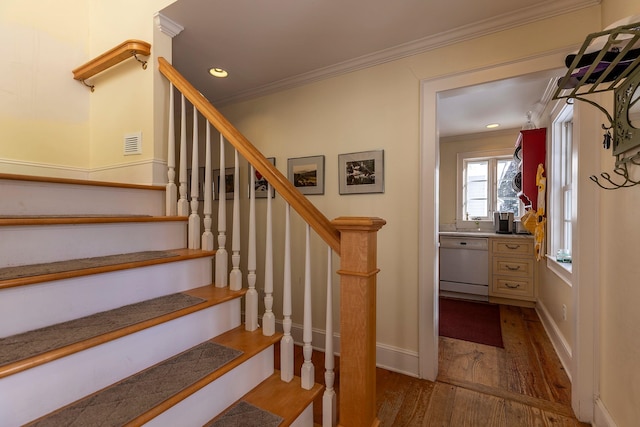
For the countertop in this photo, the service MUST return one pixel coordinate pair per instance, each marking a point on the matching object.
(484, 234)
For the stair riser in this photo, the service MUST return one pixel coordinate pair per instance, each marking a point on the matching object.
(40, 305)
(33, 393)
(213, 399)
(22, 245)
(41, 198)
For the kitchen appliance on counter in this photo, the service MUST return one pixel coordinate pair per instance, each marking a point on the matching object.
(519, 228)
(464, 267)
(503, 222)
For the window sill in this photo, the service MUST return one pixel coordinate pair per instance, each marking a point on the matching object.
(561, 269)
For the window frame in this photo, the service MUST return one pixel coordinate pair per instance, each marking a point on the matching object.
(558, 219)
(485, 224)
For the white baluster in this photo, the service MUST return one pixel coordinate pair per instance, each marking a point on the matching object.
(171, 208)
(268, 319)
(307, 374)
(183, 203)
(194, 218)
(329, 417)
(235, 277)
(222, 259)
(207, 236)
(286, 343)
(251, 298)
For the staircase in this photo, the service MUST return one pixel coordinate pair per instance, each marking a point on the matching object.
(89, 336)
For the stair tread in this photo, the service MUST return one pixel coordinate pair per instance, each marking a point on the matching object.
(44, 272)
(286, 400)
(17, 220)
(145, 395)
(29, 349)
(73, 181)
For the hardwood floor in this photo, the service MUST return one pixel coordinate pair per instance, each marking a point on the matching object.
(522, 384)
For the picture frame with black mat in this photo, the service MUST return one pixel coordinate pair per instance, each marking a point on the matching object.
(307, 174)
(361, 173)
(228, 183)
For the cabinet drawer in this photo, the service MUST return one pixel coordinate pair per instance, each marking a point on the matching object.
(513, 247)
(513, 266)
(512, 287)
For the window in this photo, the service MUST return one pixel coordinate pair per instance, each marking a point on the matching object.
(560, 212)
(485, 186)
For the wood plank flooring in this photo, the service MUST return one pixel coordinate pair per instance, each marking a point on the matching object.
(523, 384)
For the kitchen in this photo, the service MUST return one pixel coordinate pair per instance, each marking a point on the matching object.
(486, 255)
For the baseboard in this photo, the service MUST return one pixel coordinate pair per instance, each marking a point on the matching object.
(148, 172)
(387, 357)
(562, 347)
(42, 169)
(151, 172)
(602, 418)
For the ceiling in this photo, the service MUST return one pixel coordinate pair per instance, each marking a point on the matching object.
(271, 45)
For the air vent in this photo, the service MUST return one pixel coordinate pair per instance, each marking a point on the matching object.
(133, 144)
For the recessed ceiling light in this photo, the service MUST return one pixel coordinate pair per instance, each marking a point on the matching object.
(218, 72)
(492, 125)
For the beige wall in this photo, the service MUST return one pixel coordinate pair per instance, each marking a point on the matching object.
(619, 316)
(379, 108)
(53, 125)
(124, 99)
(44, 113)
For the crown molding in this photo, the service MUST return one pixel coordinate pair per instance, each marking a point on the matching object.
(167, 26)
(499, 23)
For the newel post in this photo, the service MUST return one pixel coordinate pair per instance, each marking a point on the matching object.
(358, 272)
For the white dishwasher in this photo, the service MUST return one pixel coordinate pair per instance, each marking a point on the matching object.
(464, 267)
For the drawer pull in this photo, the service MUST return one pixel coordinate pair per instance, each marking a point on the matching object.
(512, 246)
(516, 268)
(514, 286)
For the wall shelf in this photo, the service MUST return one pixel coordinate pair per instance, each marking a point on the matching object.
(125, 50)
(610, 60)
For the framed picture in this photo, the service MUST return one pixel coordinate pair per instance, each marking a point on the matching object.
(200, 183)
(362, 172)
(228, 182)
(260, 182)
(307, 174)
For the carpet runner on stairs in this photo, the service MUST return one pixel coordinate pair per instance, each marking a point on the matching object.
(8, 273)
(39, 341)
(133, 397)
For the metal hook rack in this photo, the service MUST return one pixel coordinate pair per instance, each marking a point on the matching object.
(621, 169)
(609, 60)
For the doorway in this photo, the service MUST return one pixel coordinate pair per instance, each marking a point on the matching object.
(582, 361)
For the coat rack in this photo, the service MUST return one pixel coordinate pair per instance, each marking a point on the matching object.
(609, 60)
(125, 50)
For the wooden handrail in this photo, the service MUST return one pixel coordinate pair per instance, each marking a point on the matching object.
(114, 56)
(321, 225)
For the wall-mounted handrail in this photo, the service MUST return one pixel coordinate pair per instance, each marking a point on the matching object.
(322, 226)
(125, 50)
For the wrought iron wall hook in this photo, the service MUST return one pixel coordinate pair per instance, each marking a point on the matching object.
(92, 87)
(621, 169)
(144, 63)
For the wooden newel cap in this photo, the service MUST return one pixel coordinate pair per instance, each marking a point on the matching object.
(362, 223)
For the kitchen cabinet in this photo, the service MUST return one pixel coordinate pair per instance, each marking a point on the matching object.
(513, 272)
(531, 149)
